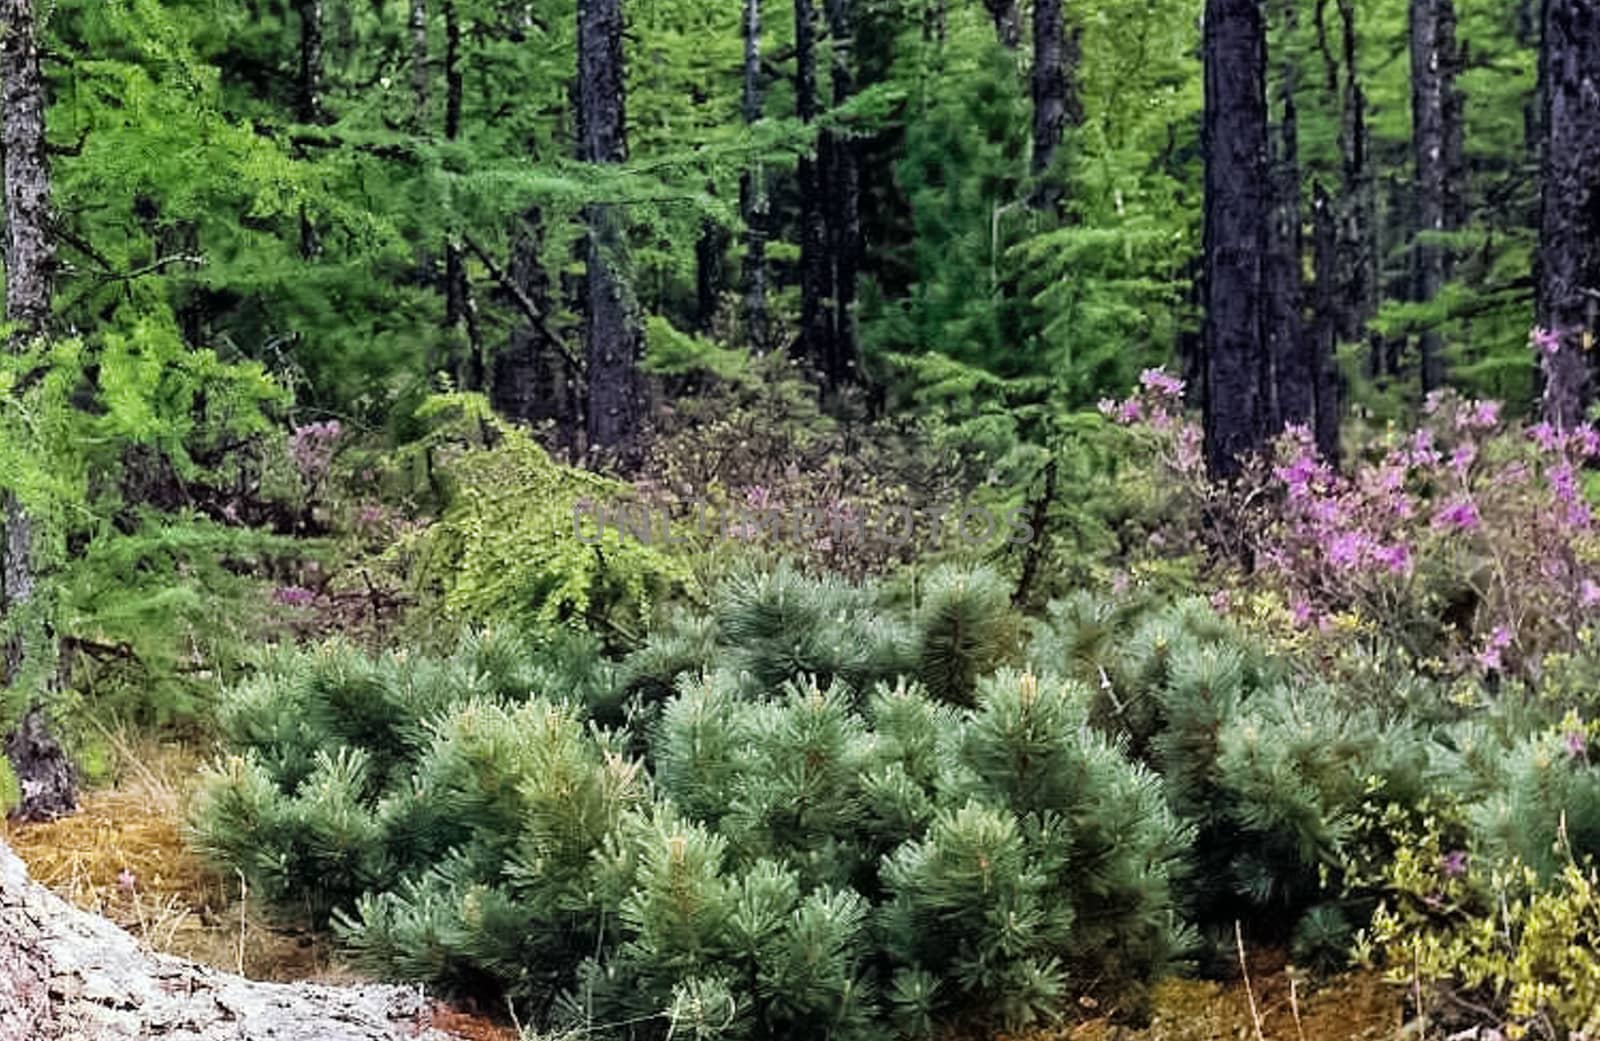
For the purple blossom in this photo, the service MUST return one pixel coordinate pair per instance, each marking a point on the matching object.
(1161, 383)
(1546, 341)
(1489, 658)
(312, 449)
(1546, 436)
(1576, 745)
(1454, 863)
(293, 596)
(127, 880)
(1589, 593)
(1396, 558)
(1459, 513)
(1130, 412)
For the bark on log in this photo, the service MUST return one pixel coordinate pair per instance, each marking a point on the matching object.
(67, 975)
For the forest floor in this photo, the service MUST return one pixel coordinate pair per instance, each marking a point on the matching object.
(123, 855)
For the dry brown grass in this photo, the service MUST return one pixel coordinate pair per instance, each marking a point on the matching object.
(123, 856)
(1353, 1007)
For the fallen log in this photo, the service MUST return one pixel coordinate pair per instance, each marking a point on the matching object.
(68, 975)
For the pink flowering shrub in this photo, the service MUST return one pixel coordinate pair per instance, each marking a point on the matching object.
(1468, 540)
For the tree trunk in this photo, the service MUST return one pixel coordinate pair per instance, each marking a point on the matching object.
(30, 270)
(1237, 208)
(1569, 225)
(1293, 353)
(461, 307)
(612, 338)
(816, 319)
(1325, 266)
(68, 975)
(843, 202)
(308, 106)
(753, 204)
(1007, 22)
(418, 25)
(1055, 57)
(1433, 104)
(1358, 261)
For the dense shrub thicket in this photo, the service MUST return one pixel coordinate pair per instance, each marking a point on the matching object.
(872, 807)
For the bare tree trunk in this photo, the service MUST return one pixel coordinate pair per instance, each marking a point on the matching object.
(1293, 353)
(1237, 207)
(612, 337)
(309, 108)
(1324, 334)
(753, 203)
(843, 206)
(1433, 102)
(1569, 227)
(41, 769)
(1055, 59)
(1007, 22)
(418, 25)
(816, 320)
(1358, 259)
(461, 307)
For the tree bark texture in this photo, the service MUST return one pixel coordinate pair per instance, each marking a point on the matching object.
(1237, 208)
(753, 202)
(612, 337)
(1436, 147)
(1569, 226)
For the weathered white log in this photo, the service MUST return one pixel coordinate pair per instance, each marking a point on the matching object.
(68, 975)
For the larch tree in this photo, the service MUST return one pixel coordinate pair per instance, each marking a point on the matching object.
(1568, 306)
(612, 336)
(1436, 135)
(1237, 209)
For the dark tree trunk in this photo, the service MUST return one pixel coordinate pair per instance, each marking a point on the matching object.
(1436, 146)
(1324, 333)
(1055, 59)
(1569, 226)
(843, 206)
(710, 273)
(39, 764)
(1237, 209)
(418, 26)
(1358, 258)
(533, 382)
(1293, 354)
(1007, 22)
(753, 205)
(816, 319)
(308, 104)
(611, 334)
(461, 307)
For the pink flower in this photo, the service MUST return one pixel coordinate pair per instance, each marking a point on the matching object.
(1130, 412)
(1589, 592)
(1302, 613)
(293, 596)
(126, 880)
(1577, 747)
(1396, 558)
(1453, 864)
(1161, 383)
(1489, 657)
(1546, 436)
(1221, 601)
(1546, 341)
(1459, 513)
